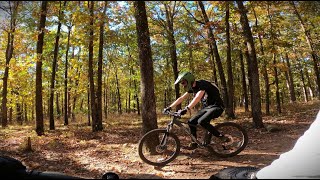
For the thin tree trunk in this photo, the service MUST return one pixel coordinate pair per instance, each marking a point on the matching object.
(8, 55)
(26, 119)
(136, 96)
(19, 113)
(100, 59)
(244, 84)
(255, 93)
(264, 70)
(66, 98)
(230, 110)
(118, 93)
(131, 72)
(276, 83)
(217, 57)
(172, 48)
(39, 106)
(129, 93)
(291, 83)
(309, 84)
(91, 79)
(214, 70)
(10, 115)
(311, 46)
(75, 97)
(306, 97)
(58, 105)
(88, 104)
(54, 69)
(105, 98)
(247, 56)
(190, 51)
(274, 60)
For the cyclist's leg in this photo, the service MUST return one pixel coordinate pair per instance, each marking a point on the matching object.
(210, 113)
(194, 121)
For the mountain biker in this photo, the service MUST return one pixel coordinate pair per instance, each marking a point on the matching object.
(212, 104)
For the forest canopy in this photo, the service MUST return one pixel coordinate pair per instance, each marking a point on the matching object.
(92, 47)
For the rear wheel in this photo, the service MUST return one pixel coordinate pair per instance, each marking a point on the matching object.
(237, 140)
(158, 147)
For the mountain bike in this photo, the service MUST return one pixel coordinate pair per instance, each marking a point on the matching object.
(159, 147)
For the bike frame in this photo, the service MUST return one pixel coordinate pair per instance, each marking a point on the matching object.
(176, 121)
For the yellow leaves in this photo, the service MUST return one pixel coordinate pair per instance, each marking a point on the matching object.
(273, 50)
(158, 38)
(209, 24)
(282, 66)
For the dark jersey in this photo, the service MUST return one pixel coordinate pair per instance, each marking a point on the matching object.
(211, 95)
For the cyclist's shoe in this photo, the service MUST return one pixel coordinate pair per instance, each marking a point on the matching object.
(193, 145)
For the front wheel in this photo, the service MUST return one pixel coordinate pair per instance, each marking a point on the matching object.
(158, 147)
(237, 140)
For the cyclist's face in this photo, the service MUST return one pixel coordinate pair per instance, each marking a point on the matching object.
(184, 83)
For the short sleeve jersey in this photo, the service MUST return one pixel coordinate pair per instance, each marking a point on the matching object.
(212, 93)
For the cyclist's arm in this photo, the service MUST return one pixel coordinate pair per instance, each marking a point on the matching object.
(196, 99)
(179, 100)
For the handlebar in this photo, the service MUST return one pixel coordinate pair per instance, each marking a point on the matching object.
(175, 114)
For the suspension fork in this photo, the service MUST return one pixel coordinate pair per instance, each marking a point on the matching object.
(164, 138)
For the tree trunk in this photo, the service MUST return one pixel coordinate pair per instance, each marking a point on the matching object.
(213, 65)
(19, 113)
(105, 99)
(244, 84)
(230, 110)
(255, 93)
(58, 105)
(10, 114)
(25, 111)
(305, 92)
(172, 49)
(311, 46)
(8, 55)
(311, 90)
(131, 72)
(75, 97)
(129, 93)
(66, 98)
(100, 59)
(190, 51)
(217, 58)
(91, 79)
(39, 106)
(149, 116)
(273, 49)
(247, 56)
(291, 83)
(136, 96)
(89, 106)
(276, 83)
(118, 93)
(264, 70)
(54, 69)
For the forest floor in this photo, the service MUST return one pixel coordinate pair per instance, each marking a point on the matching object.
(76, 151)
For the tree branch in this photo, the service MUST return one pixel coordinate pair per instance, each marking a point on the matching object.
(201, 22)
